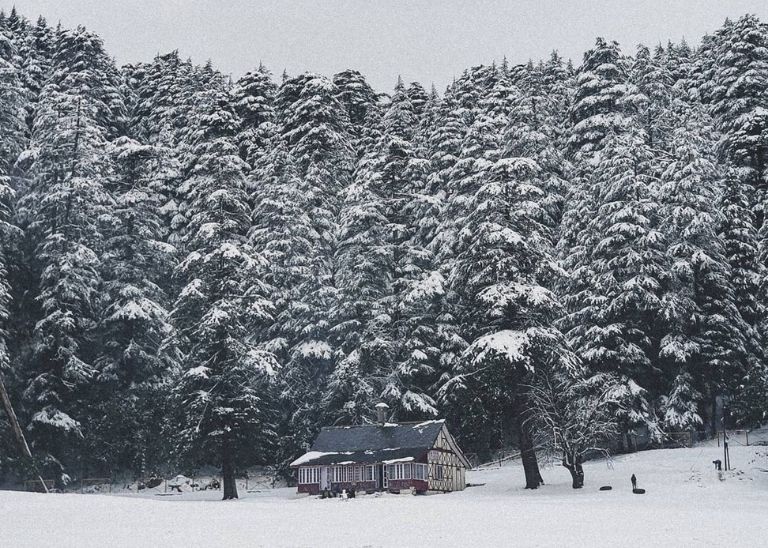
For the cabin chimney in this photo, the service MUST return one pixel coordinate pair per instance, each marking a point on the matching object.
(381, 413)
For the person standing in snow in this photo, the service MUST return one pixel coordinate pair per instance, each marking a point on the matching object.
(634, 482)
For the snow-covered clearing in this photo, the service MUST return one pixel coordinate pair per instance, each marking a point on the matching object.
(685, 505)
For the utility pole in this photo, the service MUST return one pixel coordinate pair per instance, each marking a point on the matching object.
(17, 430)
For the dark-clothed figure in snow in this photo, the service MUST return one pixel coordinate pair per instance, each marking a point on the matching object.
(634, 482)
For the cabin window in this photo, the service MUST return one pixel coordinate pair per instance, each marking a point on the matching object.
(420, 471)
(368, 473)
(392, 472)
(343, 474)
(399, 471)
(438, 471)
(309, 475)
(349, 473)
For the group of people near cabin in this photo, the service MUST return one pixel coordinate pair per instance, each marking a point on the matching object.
(336, 492)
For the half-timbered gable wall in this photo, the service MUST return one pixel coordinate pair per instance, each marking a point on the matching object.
(446, 468)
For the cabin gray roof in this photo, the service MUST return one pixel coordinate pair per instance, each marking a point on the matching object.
(371, 443)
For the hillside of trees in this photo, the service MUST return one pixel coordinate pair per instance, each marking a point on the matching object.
(200, 270)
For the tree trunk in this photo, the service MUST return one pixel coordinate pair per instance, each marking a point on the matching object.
(228, 470)
(528, 455)
(18, 432)
(576, 470)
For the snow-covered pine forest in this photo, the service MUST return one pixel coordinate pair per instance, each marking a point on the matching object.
(199, 270)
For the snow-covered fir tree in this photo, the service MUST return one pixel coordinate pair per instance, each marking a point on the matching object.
(225, 307)
(252, 97)
(65, 209)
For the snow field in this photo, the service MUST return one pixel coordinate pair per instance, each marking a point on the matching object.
(686, 505)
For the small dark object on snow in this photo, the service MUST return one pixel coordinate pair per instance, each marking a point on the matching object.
(718, 464)
(140, 486)
(638, 491)
(154, 482)
(606, 488)
(214, 484)
(634, 482)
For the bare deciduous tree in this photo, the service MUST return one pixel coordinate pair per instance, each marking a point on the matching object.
(576, 415)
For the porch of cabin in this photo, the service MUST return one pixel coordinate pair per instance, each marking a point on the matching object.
(363, 477)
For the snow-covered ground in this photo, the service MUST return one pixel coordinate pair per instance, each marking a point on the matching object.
(686, 504)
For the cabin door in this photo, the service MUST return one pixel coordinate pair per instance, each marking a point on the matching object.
(384, 476)
(324, 483)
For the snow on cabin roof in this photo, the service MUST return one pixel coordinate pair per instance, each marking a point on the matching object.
(387, 456)
(306, 458)
(372, 443)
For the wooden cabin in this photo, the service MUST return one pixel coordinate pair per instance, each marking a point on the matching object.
(419, 456)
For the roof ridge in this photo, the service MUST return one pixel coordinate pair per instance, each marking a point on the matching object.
(388, 425)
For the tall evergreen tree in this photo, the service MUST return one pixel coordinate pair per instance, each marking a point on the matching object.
(65, 207)
(704, 342)
(224, 308)
(598, 103)
(253, 96)
(314, 125)
(615, 287)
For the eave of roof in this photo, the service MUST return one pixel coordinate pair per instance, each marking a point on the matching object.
(317, 458)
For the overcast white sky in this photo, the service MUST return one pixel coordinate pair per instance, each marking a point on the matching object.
(429, 41)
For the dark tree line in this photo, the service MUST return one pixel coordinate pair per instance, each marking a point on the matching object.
(198, 271)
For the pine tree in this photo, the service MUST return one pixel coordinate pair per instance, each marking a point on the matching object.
(739, 98)
(741, 250)
(314, 125)
(224, 307)
(283, 233)
(378, 265)
(502, 253)
(598, 103)
(80, 62)
(163, 96)
(136, 356)
(704, 334)
(253, 96)
(65, 207)
(597, 110)
(615, 283)
(418, 98)
(12, 113)
(360, 101)
(8, 232)
(650, 94)
(535, 129)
